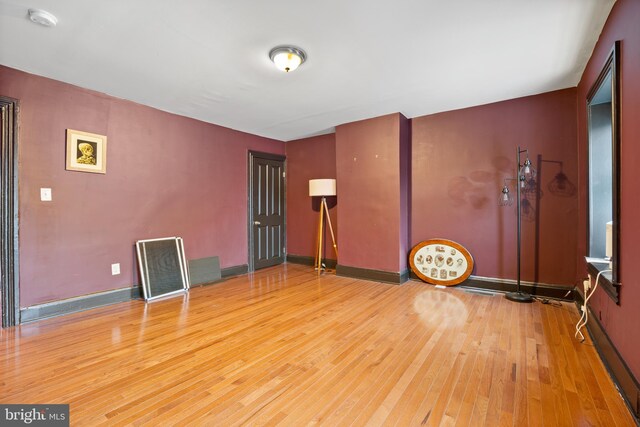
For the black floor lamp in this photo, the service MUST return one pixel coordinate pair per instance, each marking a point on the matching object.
(525, 175)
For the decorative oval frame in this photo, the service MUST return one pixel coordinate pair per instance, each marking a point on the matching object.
(448, 246)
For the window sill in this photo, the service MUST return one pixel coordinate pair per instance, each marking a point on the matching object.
(612, 289)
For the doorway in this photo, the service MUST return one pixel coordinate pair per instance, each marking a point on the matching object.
(267, 219)
(9, 289)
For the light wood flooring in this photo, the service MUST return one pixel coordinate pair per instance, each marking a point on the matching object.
(286, 346)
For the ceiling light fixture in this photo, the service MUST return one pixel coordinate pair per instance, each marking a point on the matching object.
(42, 17)
(287, 58)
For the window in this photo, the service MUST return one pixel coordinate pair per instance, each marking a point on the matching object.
(604, 176)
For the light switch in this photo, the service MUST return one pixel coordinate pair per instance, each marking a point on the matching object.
(45, 194)
(115, 269)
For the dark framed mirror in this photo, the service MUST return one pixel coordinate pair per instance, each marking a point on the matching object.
(603, 120)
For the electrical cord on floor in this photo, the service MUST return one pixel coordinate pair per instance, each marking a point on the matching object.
(584, 319)
(548, 301)
(551, 302)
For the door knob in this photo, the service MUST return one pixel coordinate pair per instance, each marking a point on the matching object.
(256, 222)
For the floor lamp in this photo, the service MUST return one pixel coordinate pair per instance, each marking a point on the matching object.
(525, 174)
(323, 188)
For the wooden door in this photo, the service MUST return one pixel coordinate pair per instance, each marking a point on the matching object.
(266, 210)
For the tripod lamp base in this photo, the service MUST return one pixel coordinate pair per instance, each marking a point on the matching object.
(519, 297)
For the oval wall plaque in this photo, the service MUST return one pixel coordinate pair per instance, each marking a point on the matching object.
(441, 262)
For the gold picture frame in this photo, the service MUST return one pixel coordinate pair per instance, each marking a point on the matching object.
(86, 152)
(441, 262)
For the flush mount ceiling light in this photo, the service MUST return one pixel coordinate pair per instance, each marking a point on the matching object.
(42, 17)
(287, 58)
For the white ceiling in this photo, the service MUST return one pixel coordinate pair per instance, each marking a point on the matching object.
(208, 59)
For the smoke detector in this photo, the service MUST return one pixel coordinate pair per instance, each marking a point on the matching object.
(42, 17)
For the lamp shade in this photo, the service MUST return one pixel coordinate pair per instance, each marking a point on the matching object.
(322, 187)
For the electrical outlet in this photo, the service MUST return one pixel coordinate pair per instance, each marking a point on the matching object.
(45, 195)
(115, 269)
(587, 284)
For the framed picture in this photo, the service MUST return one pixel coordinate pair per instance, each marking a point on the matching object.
(441, 262)
(86, 152)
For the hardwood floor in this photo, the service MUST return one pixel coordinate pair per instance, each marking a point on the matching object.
(285, 346)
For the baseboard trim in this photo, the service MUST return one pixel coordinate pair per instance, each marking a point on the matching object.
(543, 290)
(100, 299)
(81, 303)
(310, 261)
(200, 285)
(374, 275)
(236, 270)
(618, 370)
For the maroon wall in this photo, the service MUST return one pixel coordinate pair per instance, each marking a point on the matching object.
(621, 322)
(167, 175)
(368, 162)
(310, 158)
(459, 160)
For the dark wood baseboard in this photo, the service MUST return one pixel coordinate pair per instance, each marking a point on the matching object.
(198, 285)
(536, 289)
(618, 370)
(565, 293)
(236, 270)
(374, 275)
(307, 260)
(81, 303)
(87, 302)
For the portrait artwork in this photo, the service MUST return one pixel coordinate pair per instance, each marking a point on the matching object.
(86, 152)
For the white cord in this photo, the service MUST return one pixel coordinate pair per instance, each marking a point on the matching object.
(584, 319)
